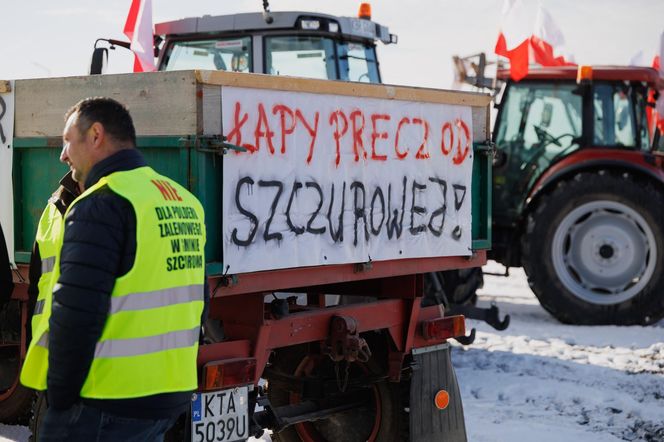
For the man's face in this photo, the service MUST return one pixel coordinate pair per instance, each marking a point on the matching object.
(77, 149)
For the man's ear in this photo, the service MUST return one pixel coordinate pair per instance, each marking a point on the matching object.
(98, 134)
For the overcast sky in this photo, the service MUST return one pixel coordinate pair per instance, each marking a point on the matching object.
(45, 38)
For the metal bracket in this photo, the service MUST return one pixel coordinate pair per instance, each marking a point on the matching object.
(363, 266)
(229, 280)
(486, 147)
(211, 144)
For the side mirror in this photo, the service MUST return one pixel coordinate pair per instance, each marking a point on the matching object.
(99, 61)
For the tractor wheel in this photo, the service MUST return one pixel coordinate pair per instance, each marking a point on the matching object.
(383, 418)
(38, 412)
(594, 250)
(15, 408)
(15, 399)
(459, 287)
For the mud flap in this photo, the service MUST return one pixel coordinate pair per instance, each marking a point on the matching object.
(432, 372)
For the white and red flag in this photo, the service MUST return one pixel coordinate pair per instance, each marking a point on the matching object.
(526, 39)
(658, 63)
(138, 29)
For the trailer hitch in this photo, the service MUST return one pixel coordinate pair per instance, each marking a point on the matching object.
(344, 342)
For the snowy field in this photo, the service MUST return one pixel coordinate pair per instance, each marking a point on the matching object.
(543, 381)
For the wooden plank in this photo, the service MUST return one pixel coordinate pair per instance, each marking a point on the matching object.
(5, 86)
(211, 109)
(295, 84)
(161, 103)
(480, 124)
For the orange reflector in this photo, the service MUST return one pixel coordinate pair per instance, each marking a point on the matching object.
(444, 328)
(365, 11)
(442, 400)
(584, 73)
(229, 373)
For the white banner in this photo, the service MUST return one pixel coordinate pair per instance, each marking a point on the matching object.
(330, 179)
(6, 148)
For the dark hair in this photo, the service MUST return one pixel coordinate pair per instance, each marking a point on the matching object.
(113, 115)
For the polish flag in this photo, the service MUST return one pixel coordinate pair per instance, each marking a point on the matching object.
(658, 63)
(138, 29)
(655, 115)
(522, 42)
(513, 39)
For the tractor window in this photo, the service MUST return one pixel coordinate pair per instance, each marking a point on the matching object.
(301, 56)
(357, 62)
(541, 116)
(227, 54)
(614, 116)
(539, 123)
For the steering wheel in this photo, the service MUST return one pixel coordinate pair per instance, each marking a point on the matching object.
(545, 137)
(365, 75)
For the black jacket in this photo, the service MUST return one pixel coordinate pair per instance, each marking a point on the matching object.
(99, 246)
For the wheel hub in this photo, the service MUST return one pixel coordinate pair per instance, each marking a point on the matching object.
(604, 252)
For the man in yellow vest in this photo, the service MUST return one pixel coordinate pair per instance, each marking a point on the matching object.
(115, 346)
(42, 259)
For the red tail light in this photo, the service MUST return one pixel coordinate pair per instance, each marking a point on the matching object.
(228, 373)
(444, 328)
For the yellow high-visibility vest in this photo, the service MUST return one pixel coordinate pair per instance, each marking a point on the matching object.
(33, 373)
(150, 340)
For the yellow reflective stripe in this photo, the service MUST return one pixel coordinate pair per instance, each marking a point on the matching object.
(39, 307)
(47, 264)
(157, 298)
(117, 348)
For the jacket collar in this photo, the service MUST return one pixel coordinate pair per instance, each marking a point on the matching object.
(125, 159)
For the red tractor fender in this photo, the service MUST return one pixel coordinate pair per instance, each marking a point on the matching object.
(645, 164)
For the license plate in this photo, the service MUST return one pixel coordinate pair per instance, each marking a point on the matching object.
(220, 416)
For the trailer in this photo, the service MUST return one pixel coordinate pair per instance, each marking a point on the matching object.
(349, 219)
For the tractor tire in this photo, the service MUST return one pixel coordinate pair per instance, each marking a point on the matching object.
(15, 399)
(384, 420)
(15, 409)
(459, 287)
(593, 250)
(39, 408)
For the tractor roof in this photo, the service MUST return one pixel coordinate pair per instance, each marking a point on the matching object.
(608, 73)
(255, 21)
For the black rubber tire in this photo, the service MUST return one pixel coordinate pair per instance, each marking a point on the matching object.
(16, 408)
(39, 408)
(645, 307)
(391, 428)
(459, 287)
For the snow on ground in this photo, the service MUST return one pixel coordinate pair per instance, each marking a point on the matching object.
(543, 381)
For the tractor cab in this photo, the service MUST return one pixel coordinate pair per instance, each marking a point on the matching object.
(302, 44)
(549, 115)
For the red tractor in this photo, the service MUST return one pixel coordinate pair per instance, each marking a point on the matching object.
(578, 185)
